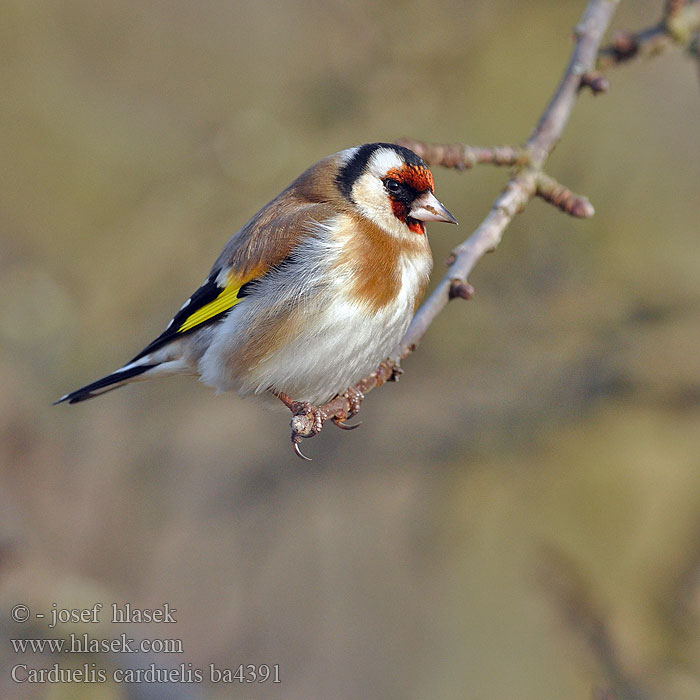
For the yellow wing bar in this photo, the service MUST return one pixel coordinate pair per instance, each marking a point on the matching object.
(225, 301)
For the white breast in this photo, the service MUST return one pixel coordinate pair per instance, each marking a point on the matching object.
(338, 342)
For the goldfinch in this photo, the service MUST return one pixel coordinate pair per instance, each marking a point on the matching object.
(313, 292)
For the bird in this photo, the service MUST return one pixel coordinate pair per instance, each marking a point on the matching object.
(311, 294)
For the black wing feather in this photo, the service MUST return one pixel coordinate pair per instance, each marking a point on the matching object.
(209, 291)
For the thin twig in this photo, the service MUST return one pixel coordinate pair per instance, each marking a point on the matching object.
(679, 24)
(461, 156)
(595, 81)
(562, 197)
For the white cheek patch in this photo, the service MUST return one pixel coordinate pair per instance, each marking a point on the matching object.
(371, 199)
(370, 196)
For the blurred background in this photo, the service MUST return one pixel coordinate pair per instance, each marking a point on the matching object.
(519, 517)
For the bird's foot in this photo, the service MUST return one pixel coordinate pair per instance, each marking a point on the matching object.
(354, 397)
(307, 421)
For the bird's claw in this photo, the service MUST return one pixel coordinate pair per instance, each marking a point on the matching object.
(297, 449)
(344, 426)
(354, 398)
(307, 421)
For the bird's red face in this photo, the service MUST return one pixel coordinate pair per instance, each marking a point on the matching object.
(403, 184)
(410, 189)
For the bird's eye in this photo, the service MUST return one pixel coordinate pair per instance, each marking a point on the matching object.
(393, 186)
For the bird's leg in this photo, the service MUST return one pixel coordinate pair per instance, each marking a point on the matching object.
(308, 419)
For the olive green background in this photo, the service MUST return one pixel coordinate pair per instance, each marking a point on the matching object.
(537, 466)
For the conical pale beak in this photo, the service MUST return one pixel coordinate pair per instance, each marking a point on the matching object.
(427, 207)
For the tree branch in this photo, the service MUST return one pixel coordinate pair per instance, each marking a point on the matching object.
(461, 156)
(679, 25)
(531, 180)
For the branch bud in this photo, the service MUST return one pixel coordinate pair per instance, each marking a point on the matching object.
(595, 81)
(461, 289)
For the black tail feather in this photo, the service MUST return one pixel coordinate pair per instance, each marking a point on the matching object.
(103, 385)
